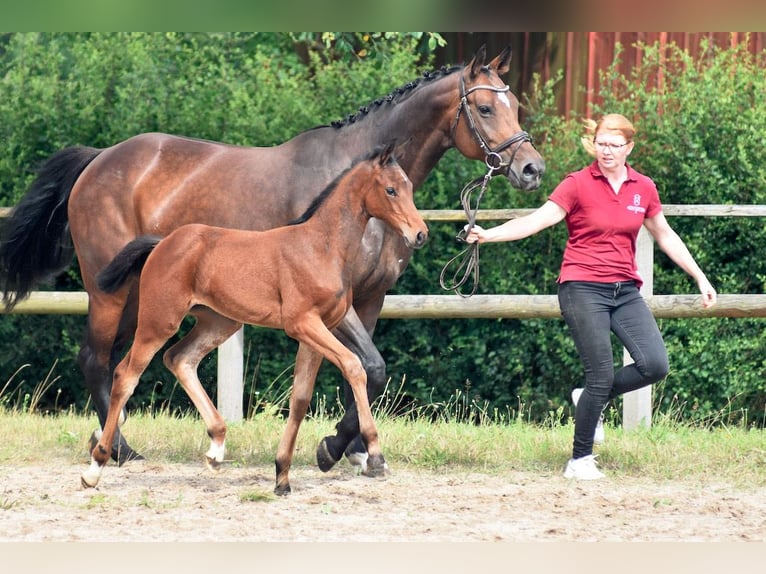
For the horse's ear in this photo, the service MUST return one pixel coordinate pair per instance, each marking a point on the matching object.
(502, 63)
(400, 151)
(477, 63)
(387, 153)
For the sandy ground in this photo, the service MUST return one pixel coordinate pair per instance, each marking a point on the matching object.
(153, 502)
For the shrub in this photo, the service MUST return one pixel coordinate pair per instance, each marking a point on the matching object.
(700, 138)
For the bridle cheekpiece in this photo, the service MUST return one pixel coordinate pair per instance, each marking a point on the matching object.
(492, 156)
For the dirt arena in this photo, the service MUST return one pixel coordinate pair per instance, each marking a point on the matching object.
(151, 502)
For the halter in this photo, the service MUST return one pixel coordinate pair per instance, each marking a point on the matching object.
(492, 159)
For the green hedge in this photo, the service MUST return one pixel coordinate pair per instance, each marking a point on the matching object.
(701, 139)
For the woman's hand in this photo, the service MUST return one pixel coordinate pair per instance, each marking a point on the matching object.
(709, 296)
(473, 235)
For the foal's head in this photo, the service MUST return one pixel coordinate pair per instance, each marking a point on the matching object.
(388, 196)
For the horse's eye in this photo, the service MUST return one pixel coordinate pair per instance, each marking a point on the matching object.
(391, 191)
(485, 110)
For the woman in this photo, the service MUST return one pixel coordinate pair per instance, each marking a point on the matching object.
(604, 205)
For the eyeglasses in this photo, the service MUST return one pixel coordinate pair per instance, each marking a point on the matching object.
(611, 146)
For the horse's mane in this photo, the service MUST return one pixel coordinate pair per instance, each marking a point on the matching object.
(396, 95)
(327, 191)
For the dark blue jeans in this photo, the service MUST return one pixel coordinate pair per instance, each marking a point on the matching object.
(593, 311)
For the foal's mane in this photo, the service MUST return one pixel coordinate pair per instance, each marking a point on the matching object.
(327, 191)
(396, 95)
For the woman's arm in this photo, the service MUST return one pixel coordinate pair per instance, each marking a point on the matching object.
(548, 214)
(676, 249)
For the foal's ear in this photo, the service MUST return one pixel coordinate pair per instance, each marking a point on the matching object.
(502, 63)
(477, 63)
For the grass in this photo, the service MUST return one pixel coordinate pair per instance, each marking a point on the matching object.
(668, 450)
(432, 437)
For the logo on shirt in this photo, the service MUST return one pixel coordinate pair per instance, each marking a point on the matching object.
(636, 207)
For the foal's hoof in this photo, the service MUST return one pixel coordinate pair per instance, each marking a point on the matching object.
(376, 466)
(325, 458)
(88, 482)
(90, 477)
(282, 489)
(212, 464)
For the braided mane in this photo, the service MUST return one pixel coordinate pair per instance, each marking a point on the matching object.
(396, 95)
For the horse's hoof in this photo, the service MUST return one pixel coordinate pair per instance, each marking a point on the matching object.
(325, 460)
(356, 453)
(212, 464)
(125, 454)
(282, 489)
(376, 467)
(358, 460)
(120, 454)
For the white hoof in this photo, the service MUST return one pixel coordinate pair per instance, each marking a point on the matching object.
(90, 477)
(214, 456)
(359, 459)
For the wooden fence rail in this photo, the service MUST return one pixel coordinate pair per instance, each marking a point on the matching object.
(456, 307)
(636, 405)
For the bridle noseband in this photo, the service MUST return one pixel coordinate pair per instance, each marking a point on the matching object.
(492, 156)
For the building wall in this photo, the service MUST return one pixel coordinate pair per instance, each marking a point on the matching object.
(581, 54)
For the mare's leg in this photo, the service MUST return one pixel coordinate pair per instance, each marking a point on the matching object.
(357, 337)
(307, 364)
(126, 377)
(184, 357)
(107, 316)
(314, 332)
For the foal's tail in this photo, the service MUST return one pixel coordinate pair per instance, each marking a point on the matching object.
(35, 243)
(126, 263)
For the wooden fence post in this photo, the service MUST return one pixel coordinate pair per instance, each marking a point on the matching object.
(230, 377)
(637, 405)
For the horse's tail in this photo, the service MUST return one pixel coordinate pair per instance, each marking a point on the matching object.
(126, 263)
(35, 243)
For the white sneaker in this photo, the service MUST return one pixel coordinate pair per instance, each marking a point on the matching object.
(583, 468)
(598, 435)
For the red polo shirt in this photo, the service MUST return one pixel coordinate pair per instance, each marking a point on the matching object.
(603, 225)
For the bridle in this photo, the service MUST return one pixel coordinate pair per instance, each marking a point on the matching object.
(492, 156)
(469, 257)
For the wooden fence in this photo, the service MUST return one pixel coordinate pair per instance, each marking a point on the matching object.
(636, 405)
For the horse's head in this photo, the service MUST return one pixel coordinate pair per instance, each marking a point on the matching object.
(390, 198)
(487, 122)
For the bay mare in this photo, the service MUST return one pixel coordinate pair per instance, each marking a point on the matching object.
(97, 200)
(296, 278)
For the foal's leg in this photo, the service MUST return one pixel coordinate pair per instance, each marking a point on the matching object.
(313, 332)
(307, 363)
(96, 360)
(355, 336)
(183, 358)
(126, 377)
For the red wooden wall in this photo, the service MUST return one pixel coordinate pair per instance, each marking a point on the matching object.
(580, 54)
